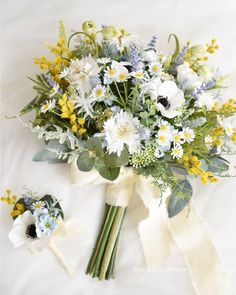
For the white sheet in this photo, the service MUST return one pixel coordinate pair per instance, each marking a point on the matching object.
(26, 25)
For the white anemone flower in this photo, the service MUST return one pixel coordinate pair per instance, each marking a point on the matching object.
(205, 100)
(24, 231)
(123, 129)
(187, 78)
(167, 95)
(81, 70)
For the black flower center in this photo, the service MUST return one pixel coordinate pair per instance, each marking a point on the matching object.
(31, 231)
(164, 101)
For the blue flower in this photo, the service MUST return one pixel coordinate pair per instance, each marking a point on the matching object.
(46, 224)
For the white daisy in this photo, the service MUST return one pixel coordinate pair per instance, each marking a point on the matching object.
(155, 68)
(122, 129)
(54, 90)
(139, 75)
(123, 74)
(99, 91)
(177, 138)
(164, 126)
(177, 151)
(163, 140)
(208, 141)
(167, 95)
(229, 130)
(64, 73)
(187, 134)
(49, 105)
(206, 99)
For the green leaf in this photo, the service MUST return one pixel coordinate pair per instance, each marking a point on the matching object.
(43, 155)
(176, 52)
(179, 170)
(30, 106)
(179, 198)
(110, 173)
(217, 164)
(94, 144)
(52, 202)
(112, 160)
(85, 161)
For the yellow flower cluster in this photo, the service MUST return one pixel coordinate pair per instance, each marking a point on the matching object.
(11, 200)
(193, 165)
(212, 47)
(67, 112)
(216, 136)
(228, 107)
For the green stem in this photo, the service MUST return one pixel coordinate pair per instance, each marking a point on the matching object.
(111, 242)
(118, 90)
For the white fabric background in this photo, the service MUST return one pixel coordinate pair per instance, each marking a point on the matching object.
(26, 25)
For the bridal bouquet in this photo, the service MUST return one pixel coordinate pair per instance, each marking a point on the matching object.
(116, 108)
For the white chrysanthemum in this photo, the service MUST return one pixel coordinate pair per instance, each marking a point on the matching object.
(177, 151)
(81, 70)
(122, 129)
(187, 134)
(49, 105)
(206, 99)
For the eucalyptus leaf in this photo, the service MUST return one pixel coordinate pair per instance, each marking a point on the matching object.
(110, 173)
(85, 161)
(112, 160)
(94, 144)
(44, 155)
(217, 164)
(53, 202)
(179, 198)
(179, 170)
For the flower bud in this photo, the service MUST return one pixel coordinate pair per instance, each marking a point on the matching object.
(88, 26)
(204, 71)
(110, 32)
(198, 50)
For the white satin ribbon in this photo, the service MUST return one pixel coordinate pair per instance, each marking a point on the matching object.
(158, 232)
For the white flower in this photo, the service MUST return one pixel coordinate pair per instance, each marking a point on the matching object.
(167, 95)
(122, 129)
(150, 56)
(49, 105)
(163, 140)
(208, 141)
(122, 75)
(140, 75)
(24, 231)
(229, 130)
(103, 60)
(159, 153)
(187, 134)
(81, 70)
(54, 90)
(177, 137)
(99, 91)
(206, 99)
(164, 126)
(155, 68)
(64, 73)
(187, 78)
(117, 72)
(177, 151)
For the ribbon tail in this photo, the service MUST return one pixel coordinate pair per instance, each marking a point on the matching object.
(199, 253)
(154, 232)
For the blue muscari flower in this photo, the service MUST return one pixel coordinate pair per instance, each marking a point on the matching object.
(134, 57)
(152, 43)
(180, 56)
(203, 88)
(46, 224)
